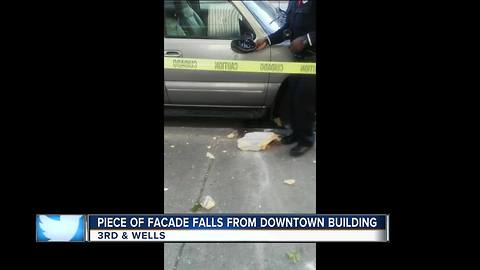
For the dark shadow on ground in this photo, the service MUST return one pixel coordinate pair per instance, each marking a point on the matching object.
(209, 122)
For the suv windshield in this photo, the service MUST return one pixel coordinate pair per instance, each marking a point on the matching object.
(270, 17)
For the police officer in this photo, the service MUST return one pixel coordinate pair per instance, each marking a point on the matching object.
(300, 29)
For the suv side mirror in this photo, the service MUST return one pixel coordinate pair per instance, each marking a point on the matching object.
(249, 35)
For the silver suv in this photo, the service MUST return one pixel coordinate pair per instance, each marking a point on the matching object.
(205, 29)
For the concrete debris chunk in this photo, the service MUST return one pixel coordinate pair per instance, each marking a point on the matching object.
(232, 135)
(210, 155)
(290, 182)
(257, 141)
(207, 202)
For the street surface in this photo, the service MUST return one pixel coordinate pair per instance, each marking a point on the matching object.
(239, 182)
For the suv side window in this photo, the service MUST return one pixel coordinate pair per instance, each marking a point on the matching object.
(203, 19)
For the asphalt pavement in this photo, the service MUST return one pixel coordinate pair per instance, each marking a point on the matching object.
(239, 182)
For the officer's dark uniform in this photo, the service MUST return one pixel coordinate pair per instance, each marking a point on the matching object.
(301, 21)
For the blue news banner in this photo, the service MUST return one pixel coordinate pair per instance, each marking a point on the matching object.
(213, 228)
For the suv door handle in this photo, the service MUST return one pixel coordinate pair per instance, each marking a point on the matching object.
(172, 53)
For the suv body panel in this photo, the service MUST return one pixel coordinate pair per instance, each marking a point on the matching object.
(187, 88)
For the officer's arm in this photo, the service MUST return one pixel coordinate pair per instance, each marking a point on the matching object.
(312, 35)
(278, 36)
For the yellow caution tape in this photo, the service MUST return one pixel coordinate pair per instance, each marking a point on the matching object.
(239, 66)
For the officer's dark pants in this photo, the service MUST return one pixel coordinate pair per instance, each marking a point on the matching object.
(302, 100)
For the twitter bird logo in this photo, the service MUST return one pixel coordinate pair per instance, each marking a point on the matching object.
(60, 228)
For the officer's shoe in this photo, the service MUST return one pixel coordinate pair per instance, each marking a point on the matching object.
(288, 139)
(300, 149)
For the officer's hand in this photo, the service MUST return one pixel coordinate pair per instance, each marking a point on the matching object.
(297, 45)
(261, 43)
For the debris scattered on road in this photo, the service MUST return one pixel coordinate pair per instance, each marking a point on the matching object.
(207, 202)
(314, 162)
(294, 256)
(232, 135)
(214, 138)
(172, 146)
(209, 147)
(290, 182)
(209, 155)
(257, 141)
(224, 151)
(165, 189)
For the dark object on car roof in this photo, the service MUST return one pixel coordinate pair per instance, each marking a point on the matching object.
(243, 45)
